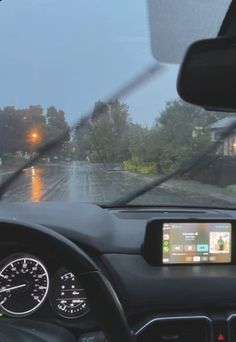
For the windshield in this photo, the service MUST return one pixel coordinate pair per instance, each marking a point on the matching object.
(61, 64)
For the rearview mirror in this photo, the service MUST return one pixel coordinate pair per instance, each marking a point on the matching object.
(207, 77)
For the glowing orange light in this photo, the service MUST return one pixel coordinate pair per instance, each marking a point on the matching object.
(34, 137)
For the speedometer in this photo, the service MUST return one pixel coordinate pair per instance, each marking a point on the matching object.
(24, 284)
(68, 297)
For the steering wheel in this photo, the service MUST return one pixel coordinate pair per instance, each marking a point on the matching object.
(102, 297)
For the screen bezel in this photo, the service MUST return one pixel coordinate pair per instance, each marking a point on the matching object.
(152, 246)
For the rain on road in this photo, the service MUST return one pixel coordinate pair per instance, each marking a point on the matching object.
(85, 182)
(76, 181)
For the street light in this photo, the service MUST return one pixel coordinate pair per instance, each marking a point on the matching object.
(234, 146)
(34, 137)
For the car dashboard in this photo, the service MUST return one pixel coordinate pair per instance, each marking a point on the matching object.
(182, 302)
(35, 285)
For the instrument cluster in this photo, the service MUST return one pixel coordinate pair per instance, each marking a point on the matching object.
(25, 284)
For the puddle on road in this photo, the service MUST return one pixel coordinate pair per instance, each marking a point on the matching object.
(36, 185)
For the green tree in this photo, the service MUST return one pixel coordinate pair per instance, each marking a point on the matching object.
(10, 135)
(175, 141)
(109, 132)
(57, 126)
(18, 125)
(140, 140)
(82, 139)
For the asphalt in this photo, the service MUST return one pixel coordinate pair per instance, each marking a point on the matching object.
(95, 183)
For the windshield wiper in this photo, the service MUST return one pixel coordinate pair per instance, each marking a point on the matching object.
(125, 90)
(180, 171)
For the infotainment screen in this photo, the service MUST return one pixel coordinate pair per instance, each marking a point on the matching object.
(192, 243)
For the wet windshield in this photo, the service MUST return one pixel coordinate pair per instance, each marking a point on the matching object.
(60, 62)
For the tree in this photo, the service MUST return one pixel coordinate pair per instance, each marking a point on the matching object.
(57, 126)
(110, 126)
(10, 135)
(174, 142)
(18, 126)
(140, 140)
(103, 137)
(82, 138)
(180, 132)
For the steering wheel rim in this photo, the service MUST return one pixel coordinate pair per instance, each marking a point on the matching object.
(101, 295)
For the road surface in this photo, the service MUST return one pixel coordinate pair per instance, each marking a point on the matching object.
(85, 182)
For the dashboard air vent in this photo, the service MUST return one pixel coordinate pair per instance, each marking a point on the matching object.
(176, 330)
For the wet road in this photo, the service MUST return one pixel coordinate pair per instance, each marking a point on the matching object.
(76, 181)
(85, 182)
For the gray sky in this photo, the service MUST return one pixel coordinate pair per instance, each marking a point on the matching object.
(73, 53)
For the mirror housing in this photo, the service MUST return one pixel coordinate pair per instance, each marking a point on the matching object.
(207, 76)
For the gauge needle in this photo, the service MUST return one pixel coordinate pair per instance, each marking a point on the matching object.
(12, 288)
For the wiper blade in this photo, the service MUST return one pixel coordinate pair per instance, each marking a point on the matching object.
(180, 171)
(125, 90)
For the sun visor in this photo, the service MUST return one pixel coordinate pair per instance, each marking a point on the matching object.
(175, 24)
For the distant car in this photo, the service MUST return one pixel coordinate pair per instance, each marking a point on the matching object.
(68, 160)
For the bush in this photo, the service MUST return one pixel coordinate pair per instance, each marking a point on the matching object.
(136, 165)
(13, 159)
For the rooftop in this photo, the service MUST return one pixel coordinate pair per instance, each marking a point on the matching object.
(223, 123)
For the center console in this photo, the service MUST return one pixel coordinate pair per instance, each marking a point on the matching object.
(183, 242)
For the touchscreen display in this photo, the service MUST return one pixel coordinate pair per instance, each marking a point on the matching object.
(192, 243)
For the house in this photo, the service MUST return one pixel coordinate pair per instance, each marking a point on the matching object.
(229, 147)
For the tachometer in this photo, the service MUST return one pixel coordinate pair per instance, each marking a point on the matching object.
(68, 297)
(24, 284)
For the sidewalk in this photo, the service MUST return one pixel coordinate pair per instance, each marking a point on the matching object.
(5, 170)
(189, 186)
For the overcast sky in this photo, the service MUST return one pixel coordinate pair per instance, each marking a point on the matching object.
(71, 53)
